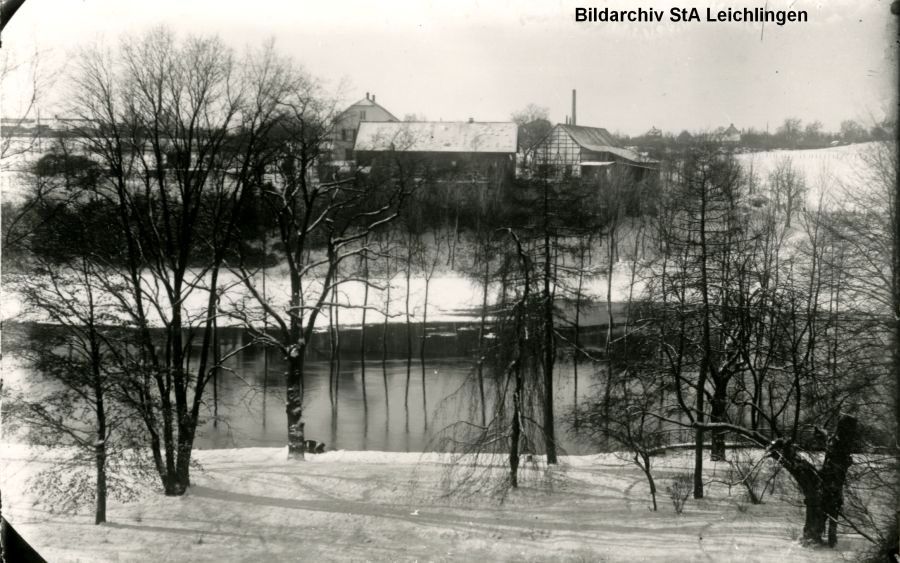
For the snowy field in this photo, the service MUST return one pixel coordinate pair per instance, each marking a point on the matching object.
(828, 172)
(255, 505)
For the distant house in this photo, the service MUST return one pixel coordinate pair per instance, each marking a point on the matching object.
(731, 135)
(52, 127)
(68, 123)
(473, 150)
(578, 151)
(22, 122)
(346, 125)
(653, 133)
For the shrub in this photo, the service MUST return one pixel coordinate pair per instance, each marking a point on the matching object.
(680, 490)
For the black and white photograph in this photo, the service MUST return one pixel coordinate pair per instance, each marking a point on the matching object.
(484, 280)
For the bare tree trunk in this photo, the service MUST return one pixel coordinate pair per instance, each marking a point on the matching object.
(520, 344)
(266, 347)
(100, 512)
(610, 271)
(485, 284)
(384, 338)
(643, 461)
(549, 338)
(422, 349)
(822, 490)
(294, 403)
(362, 334)
(611, 245)
(583, 251)
(455, 239)
(100, 449)
(216, 361)
(718, 410)
(332, 346)
(838, 458)
(336, 350)
(707, 349)
(409, 256)
(516, 431)
(265, 387)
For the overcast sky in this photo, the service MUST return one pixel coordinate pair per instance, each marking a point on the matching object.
(484, 59)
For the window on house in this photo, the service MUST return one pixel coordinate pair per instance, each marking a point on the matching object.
(345, 134)
(362, 115)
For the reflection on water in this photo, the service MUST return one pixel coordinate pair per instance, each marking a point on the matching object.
(359, 409)
(363, 417)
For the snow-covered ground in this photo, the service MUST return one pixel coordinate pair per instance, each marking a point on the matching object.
(451, 297)
(828, 172)
(254, 505)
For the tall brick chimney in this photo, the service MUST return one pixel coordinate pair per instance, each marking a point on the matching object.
(573, 107)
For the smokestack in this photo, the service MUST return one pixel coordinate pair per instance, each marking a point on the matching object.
(373, 97)
(367, 95)
(471, 120)
(573, 107)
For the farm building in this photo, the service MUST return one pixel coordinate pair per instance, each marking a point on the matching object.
(346, 125)
(588, 152)
(471, 151)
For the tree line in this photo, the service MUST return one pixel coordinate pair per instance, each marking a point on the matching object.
(791, 134)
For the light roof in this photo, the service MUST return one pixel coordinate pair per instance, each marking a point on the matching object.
(437, 136)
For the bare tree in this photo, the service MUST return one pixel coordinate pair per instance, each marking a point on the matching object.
(512, 432)
(759, 328)
(628, 419)
(534, 124)
(78, 359)
(866, 226)
(179, 131)
(791, 130)
(76, 348)
(320, 225)
(788, 188)
(22, 80)
(699, 234)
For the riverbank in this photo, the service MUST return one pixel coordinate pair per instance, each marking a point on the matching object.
(452, 298)
(254, 505)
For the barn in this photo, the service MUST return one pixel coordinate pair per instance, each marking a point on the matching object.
(588, 152)
(471, 151)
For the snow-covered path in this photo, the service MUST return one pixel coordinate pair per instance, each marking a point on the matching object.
(254, 505)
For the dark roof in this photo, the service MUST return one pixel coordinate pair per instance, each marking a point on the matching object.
(731, 130)
(585, 136)
(437, 136)
(598, 139)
